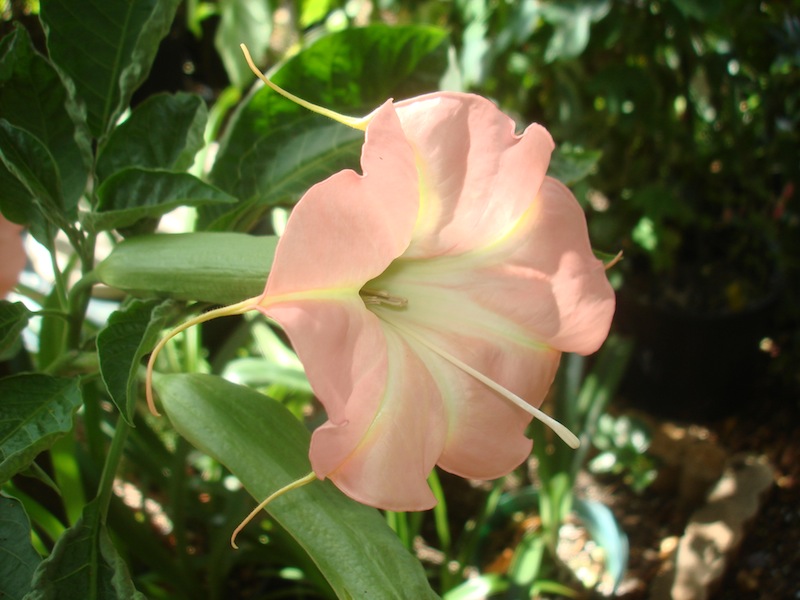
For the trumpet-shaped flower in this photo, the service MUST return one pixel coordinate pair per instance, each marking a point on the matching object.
(424, 293)
(430, 297)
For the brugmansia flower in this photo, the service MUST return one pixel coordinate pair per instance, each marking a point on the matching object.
(13, 253)
(430, 297)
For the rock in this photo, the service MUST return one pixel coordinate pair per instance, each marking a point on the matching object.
(715, 531)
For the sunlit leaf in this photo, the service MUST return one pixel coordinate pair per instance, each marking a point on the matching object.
(266, 448)
(163, 132)
(212, 267)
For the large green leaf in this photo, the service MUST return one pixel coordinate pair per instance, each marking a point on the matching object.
(18, 559)
(13, 319)
(212, 267)
(163, 132)
(134, 194)
(266, 448)
(33, 98)
(84, 565)
(129, 335)
(106, 48)
(35, 411)
(274, 150)
(29, 160)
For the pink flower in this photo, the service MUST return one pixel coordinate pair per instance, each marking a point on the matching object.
(13, 253)
(430, 298)
(423, 294)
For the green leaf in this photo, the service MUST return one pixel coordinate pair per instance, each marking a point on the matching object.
(570, 165)
(571, 22)
(36, 410)
(134, 194)
(106, 49)
(243, 22)
(129, 335)
(29, 160)
(18, 559)
(212, 267)
(274, 150)
(84, 564)
(702, 10)
(163, 132)
(33, 98)
(350, 543)
(259, 372)
(13, 319)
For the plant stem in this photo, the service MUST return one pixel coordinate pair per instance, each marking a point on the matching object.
(115, 451)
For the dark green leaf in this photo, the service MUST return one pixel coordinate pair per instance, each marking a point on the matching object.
(33, 98)
(18, 559)
(134, 194)
(266, 447)
(212, 267)
(702, 10)
(36, 410)
(84, 565)
(29, 160)
(275, 150)
(163, 132)
(243, 22)
(106, 48)
(129, 335)
(16, 202)
(13, 319)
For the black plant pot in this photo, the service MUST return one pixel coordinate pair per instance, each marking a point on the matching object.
(701, 360)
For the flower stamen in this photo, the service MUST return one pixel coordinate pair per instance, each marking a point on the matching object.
(382, 297)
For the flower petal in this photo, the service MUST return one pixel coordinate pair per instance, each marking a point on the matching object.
(385, 450)
(348, 228)
(476, 176)
(486, 432)
(550, 244)
(341, 346)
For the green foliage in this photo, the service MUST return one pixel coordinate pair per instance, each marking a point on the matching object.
(623, 443)
(357, 554)
(105, 52)
(78, 162)
(19, 558)
(36, 410)
(274, 150)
